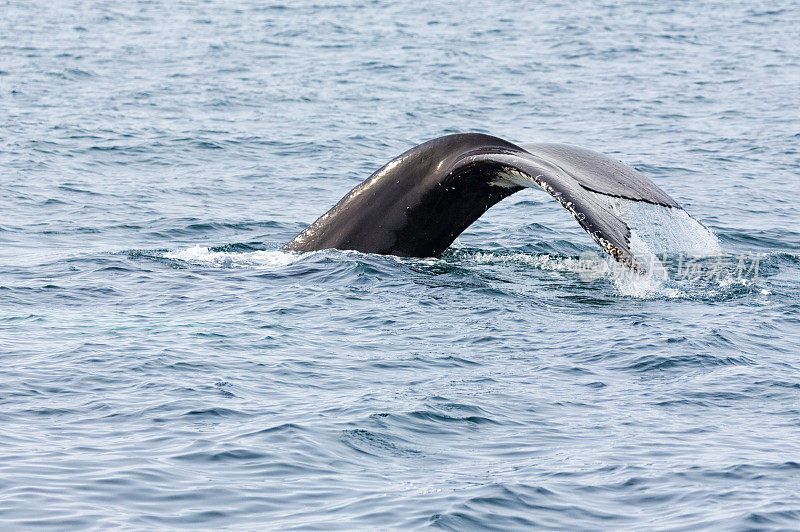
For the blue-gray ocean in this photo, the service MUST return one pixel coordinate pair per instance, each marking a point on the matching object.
(163, 365)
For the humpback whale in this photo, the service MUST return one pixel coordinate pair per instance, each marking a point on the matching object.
(419, 202)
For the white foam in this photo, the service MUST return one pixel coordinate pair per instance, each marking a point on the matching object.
(541, 262)
(233, 259)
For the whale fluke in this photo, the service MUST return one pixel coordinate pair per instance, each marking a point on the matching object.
(419, 202)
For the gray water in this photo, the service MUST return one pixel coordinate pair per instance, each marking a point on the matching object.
(164, 365)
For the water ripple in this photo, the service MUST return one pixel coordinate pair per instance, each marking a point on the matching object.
(166, 365)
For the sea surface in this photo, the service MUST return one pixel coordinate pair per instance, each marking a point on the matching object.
(163, 365)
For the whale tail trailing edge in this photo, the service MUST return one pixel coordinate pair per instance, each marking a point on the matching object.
(418, 203)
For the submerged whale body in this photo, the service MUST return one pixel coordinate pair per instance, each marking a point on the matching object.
(419, 202)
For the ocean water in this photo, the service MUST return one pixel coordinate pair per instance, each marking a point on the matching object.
(163, 365)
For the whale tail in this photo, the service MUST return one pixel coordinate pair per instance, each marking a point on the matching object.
(418, 203)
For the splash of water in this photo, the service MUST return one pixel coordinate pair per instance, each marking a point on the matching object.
(681, 257)
(656, 230)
